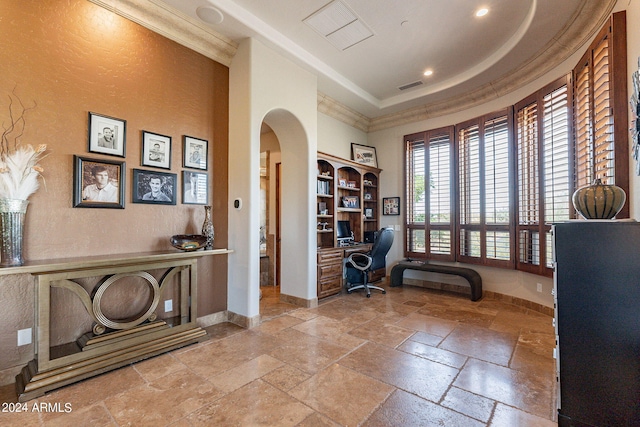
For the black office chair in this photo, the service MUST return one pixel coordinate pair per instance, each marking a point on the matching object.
(360, 264)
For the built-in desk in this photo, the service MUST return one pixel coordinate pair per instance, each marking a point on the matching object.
(330, 266)
(113, 342)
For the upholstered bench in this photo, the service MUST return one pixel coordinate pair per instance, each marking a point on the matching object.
(474, 279)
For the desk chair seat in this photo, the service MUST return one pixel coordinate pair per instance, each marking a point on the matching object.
(366, 262)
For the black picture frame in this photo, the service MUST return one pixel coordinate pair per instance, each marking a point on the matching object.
(391, 206)
(107, 135)
(364, 154)
(144, 184)
(89, 188)
(195, 188)
(195, 152)
(156, 150)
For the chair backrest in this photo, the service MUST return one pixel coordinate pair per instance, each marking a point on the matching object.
(381, 246)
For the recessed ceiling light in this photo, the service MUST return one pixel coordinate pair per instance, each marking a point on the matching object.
(428, 73)
(482, 12)
(210, 15)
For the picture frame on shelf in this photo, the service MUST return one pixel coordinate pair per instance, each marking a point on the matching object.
(351, 184)
(368, 213)
(195, 152)
(368, 196)
(364, 155)
(342, 182)
(391, 205)
(195, 188)
(351, 202)
(156, 150)
(156, 188)
(98, 183)
(107, 135)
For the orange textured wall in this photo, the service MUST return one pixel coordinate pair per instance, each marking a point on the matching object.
(71, 57)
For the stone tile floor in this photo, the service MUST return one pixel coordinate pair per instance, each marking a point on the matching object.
(412, 357)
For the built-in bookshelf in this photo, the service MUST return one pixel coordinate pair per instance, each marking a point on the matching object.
(346, 191)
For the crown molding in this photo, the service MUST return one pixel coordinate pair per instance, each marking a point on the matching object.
(333, 108)
(193, 34)
(174, 25)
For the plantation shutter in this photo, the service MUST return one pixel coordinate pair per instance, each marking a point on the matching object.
(544, 183)
(601, 111)
(484, 188)
(429, 221)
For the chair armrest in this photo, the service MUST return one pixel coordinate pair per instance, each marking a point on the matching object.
(360, 261)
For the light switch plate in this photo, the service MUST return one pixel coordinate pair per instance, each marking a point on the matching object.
(24, 337)
(168, 305)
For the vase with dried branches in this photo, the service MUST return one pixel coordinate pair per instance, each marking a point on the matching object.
(20, 175)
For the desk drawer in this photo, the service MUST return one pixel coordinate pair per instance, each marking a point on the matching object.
(329, 270)
(329, 287)
(329, 257)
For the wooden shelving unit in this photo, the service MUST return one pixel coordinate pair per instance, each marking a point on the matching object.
(347, 191)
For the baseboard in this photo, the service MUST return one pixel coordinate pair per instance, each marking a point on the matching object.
(243, 321)
(465, 290)
(212, 319)
(300, 302)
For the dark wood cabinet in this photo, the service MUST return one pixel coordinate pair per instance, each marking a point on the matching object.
(597, 319)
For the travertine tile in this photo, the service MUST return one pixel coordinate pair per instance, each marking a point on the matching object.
(432, 353)
(427, 339)
(404, 409)
(306, 352)
(286, 377)
(157, 367)
(414, 374)
(481, 343)
(470, 404)
(429, 324)
(163, 401)
(382, 331)
(273, 326)
(342, 394)
(528, 392)
(508, 416)
(256, 404)
(235, 378)
(331, 330)
(94, 416)
(218, 356)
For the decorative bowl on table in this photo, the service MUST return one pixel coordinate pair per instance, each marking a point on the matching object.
(188, 242)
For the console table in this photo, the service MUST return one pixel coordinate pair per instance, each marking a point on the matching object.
(112, 342)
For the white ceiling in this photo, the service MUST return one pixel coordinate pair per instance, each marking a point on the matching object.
(409, 36)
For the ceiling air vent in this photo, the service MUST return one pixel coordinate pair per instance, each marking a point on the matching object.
(410, 85)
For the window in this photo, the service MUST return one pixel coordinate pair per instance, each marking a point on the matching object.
(484, 191)
(514, 171)
(543, 167)
(601, 111)
(429, 194)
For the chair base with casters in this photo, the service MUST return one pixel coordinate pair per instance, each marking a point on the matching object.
(360, 264)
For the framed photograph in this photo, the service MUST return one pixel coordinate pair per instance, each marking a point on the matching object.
(195, 188)
(368, 196)
(364, 155)
(391, 205)
(368, 213)
(351, 184)
(107, 135)
(98, 183)
(342, 182)
(158, 188)
(351, 202)
(195, 152)
(156, 150)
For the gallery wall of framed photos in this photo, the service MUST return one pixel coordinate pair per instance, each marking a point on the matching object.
(101, 182)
